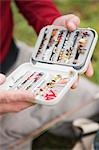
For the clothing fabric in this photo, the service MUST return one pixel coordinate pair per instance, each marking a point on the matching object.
(11, 58)
(38, 13)
(15, 126)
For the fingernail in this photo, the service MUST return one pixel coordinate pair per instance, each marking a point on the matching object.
(71, 26)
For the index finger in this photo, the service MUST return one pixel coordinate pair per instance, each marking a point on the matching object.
(16, 95)
(89, 71)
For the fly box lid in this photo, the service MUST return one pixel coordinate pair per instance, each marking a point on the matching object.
(56, 45)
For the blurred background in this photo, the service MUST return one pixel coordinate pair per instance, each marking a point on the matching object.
(87, 10)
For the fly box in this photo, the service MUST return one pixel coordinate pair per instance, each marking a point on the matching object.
(58, 58)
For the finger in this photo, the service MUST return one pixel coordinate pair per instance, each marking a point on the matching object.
(16, 95)
(2, 78)
(13, 107)
(89, 71)
(72, 22)
(75, 84)
(69, 21)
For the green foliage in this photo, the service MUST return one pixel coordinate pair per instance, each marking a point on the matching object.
(87, 10)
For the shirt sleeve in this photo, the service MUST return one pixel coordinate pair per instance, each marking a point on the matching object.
(38, 13)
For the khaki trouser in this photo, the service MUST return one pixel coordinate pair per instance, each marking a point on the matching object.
(14, 126)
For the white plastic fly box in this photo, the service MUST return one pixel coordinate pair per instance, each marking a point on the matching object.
(58, 57)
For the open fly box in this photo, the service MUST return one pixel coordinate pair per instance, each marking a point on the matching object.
(58, 58)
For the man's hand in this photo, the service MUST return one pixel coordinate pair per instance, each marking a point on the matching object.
(14, 101)
(71, 22)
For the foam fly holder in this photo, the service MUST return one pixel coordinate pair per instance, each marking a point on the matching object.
(58, 58)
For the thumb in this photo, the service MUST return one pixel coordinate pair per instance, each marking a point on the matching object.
(2, 78)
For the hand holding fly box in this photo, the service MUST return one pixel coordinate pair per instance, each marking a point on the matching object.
(58, 57)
